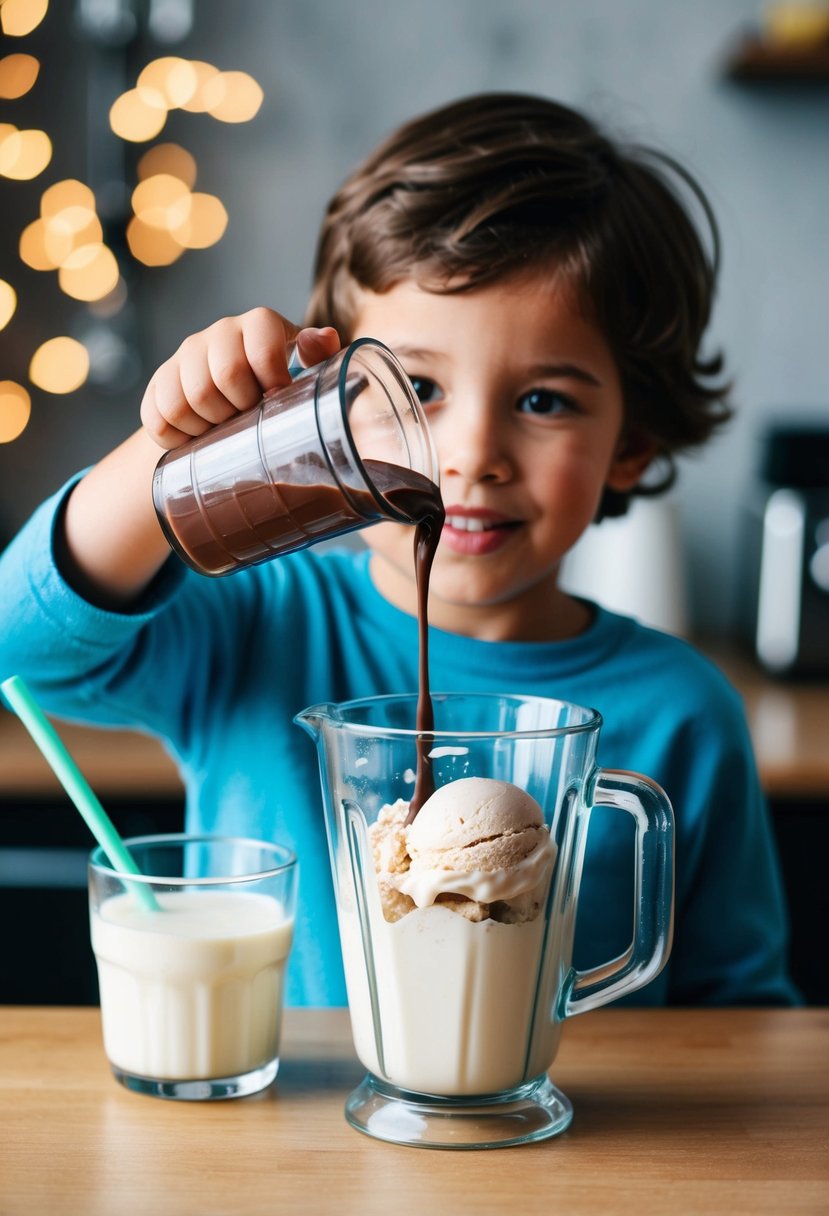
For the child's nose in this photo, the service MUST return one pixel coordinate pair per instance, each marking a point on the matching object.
(471, 447)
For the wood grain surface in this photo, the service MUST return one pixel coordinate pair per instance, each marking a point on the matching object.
(682, 1112)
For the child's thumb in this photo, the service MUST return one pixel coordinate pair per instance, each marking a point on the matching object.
(312, 345)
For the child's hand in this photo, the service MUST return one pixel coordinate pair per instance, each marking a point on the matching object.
(224, 370)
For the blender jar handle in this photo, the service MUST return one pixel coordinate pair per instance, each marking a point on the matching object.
(648, 803)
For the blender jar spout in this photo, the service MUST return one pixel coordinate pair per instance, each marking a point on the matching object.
(312, 718)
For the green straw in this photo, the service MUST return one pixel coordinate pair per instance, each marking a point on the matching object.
(73, 781)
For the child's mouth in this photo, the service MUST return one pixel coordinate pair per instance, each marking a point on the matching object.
(477, 534)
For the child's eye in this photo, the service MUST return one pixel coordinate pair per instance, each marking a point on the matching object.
(426, 389)
(546, 401)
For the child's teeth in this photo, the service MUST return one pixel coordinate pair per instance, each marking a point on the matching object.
(462, 524)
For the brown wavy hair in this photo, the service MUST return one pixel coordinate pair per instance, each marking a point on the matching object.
(495, 185)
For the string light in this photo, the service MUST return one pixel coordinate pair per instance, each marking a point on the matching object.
(67, 193)
(60, 365)
(168, 158)
(32, 247)
(8, 303)
(68, 237)
(240, 100)
(209, 89)
(174, 79)
(89, 273)
(70, 230)
(152, 246)
(165, 204)
(15, 409)
(201, 223)
(169, 218)
(18, 74)
(138, 115)
(172, 83)
(19, 17)
(155, 198)
(24, 154)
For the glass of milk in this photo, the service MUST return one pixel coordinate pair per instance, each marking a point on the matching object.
(191, 975)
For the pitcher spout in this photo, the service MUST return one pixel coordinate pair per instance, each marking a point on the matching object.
(312, 718)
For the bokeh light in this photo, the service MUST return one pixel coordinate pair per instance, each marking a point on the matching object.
(68, 238)
(209, 90)
(89, 273)
(15, 408)
(32, 247)
(154, 199)
(67, 222)
(60, 365)
(67, 193)
(168, 158)
(8, 303)
(172, 83)
(138, 115)
(176, 80)
(68, 213)
(69, 230)
(17, 75)
(152, 246)
(200, 224)
(240, 100)
(24, 154)
(19, 17)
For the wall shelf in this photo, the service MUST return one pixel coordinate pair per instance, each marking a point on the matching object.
(755, 61)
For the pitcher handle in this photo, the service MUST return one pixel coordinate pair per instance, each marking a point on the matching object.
(647, 954)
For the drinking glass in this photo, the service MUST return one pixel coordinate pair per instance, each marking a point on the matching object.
(191, 957)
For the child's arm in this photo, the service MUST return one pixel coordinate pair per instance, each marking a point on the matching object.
(112, 544)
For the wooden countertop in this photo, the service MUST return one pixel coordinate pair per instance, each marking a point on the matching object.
(117, 763)
(676, 1111)
(789, 724)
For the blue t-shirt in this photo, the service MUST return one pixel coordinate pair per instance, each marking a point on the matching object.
(218, 667)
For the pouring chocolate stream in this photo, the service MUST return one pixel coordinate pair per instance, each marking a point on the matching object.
(421, 500)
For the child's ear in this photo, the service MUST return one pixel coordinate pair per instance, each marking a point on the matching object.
(633, 454)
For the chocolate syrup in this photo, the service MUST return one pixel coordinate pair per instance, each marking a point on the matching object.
(427, 536)
(241, 522)
(425, 505)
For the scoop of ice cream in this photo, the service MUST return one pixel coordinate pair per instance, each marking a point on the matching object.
(475, 823)
(391, 858)
(479, 838)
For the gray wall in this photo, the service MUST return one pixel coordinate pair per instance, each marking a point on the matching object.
(338, 76)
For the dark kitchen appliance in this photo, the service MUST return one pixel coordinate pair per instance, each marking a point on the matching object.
(786, 582)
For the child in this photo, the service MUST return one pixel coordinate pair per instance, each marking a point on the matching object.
(547, 292)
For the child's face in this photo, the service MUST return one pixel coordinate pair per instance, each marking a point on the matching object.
(525, 405)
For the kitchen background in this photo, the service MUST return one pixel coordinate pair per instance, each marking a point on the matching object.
(333, 77)
(338, 76)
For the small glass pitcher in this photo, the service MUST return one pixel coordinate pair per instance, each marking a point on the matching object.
(345, 445)
(457, 1020)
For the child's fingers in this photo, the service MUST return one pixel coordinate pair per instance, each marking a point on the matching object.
(155, 424)
(267, 338)
(314, 345)
(184, 394)
(224, 370)
(199, 403)
(230, 372)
